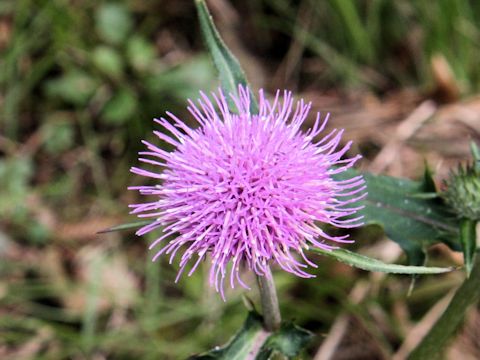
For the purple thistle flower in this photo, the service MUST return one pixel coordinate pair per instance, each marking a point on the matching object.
(246, 188)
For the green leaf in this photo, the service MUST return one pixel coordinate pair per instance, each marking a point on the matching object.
(15, 176)
(75, 87)
(140, 53)
(121, 107)
(126, 226)
(57, 136)
(108, 61)
(253, 342)
(183, 81)
(250, 337)
(468, 241)
(367, 263)
(428, 184)
(288, 341)
(228, 67)
(412, 221)
(113, 22)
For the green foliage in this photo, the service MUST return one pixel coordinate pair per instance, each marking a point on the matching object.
(75, 87)
(468, 241)
(140, 53)
(377, 43)
(15, 175)
(108, 61)
(407, 217)
(80, 82)
(253, 342)
(57, 133)
(462, 192)
(113, 22)
(185, 80)
(287, 342)
(230, 72)
(367, 263)
(121, 107)
(433, 344)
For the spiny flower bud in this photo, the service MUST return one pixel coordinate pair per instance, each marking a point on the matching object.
(463, 192)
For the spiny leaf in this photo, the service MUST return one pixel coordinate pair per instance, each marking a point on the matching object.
(412, 221)
(428, 183)
(253, 342)
(288, 341)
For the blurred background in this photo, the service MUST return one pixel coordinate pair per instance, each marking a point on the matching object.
(80, 83)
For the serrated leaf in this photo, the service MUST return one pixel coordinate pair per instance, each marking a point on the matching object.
(230, 72)
(253, 342)
(370, 264)
(242, 344)
(412, 221)
(288, 341)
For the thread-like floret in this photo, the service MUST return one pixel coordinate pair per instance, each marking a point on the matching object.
(246, 188)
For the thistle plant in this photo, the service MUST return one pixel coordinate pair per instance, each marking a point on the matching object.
(246, 185)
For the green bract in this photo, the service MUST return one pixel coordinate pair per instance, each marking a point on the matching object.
(463, 192)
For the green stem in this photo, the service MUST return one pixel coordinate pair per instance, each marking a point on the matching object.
(469, 242)
(468, 294)
(269, 299)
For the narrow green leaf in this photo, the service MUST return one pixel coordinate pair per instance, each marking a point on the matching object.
(411, 220)
(253, 342)
(468, 240)
(366, 263)
(126, 226)
(228, 67)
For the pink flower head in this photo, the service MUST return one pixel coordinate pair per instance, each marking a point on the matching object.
(247, 188)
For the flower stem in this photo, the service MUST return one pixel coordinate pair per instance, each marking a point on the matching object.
(468, 294)
(269, 299)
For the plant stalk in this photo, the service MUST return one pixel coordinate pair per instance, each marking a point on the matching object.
(467, 294)
(268, 296)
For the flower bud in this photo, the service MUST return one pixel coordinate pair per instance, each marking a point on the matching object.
(463, 192)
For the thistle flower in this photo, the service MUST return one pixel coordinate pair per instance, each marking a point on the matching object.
(246, 188)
